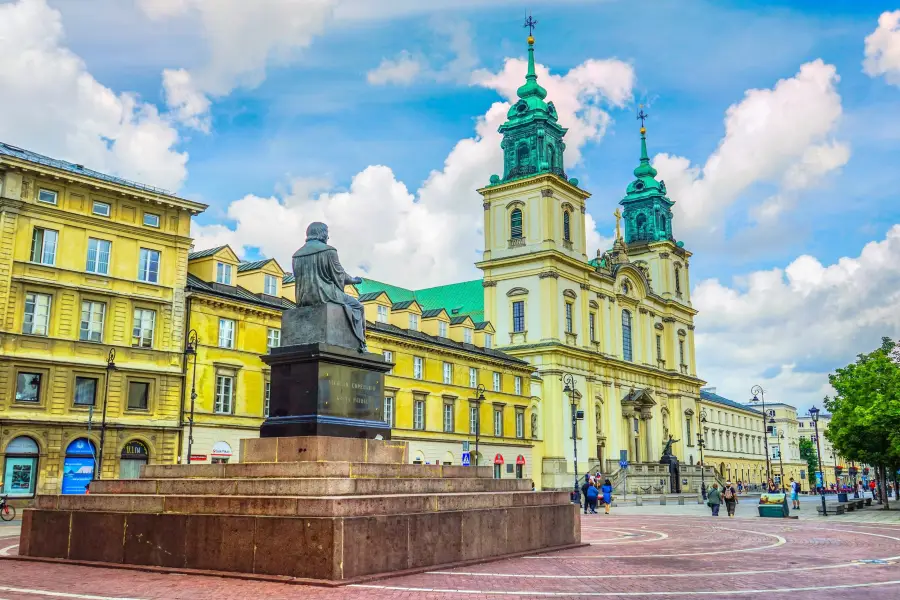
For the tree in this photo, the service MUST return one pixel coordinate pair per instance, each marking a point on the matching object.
(865, 411)
(808, 453)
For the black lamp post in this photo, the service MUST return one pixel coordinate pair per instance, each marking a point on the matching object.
(702, 443)
(781, 459)
(814, 415)
(759, 395)
(191, 350)
(479, 398)
(110, 367)
(577, 415)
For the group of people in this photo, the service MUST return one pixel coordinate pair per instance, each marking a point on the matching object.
(595, 490)
(728, 496)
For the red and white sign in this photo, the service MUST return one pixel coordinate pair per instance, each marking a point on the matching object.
(498, 460)
(520, 460)
(221, 449)
(197, 457)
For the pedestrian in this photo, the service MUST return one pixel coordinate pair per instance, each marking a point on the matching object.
(729, 495)
(714, 499)
(740, 488)
(584, 491)
(607, 495)
(592, 493)
(795, 494)
(770, 487)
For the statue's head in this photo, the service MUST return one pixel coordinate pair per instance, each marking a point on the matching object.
(317, 231)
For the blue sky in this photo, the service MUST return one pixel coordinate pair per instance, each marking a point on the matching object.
(291, 102)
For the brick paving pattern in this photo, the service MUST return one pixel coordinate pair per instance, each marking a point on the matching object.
(629, 556)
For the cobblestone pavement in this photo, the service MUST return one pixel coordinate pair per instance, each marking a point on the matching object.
(630, 555)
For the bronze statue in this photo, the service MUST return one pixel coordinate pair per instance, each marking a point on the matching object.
(667, 451)
(320, 279)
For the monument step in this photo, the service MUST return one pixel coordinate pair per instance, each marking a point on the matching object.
(294, 506)
(310, 486)
(313, 469)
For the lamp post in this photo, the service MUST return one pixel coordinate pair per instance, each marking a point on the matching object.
(781, 459)
(577, 415)
(814, 415)
(759, 395)
(110, 367)
(479, 398)
(702, 443)
(191, 350)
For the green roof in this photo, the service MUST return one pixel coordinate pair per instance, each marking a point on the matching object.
(465, 298)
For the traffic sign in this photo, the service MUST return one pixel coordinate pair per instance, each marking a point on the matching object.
(623, 464)
(466, 461)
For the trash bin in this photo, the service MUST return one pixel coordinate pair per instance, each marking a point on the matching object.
(773, 505)
(842, 497)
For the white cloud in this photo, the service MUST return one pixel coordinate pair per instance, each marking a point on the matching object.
(51, 104)
(401, 70)
(433, 235)
(802, 321)
(243, 37)
(883, 48)
(780, 136)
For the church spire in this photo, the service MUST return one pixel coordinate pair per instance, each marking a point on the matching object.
(531, 87)
(644, 169)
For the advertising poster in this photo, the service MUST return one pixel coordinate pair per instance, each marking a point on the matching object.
(19, 478)
(78, 471)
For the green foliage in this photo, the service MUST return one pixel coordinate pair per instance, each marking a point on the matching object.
(865, 412)
(808, 453)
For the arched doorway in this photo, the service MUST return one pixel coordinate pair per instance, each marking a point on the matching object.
(78, 466)
(221, 453)
(498, 466)
(520, 466)
(448, 458)
(419, 458)
(20, 468)
(134, 456)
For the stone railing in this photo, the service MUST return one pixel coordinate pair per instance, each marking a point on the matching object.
(517, 242)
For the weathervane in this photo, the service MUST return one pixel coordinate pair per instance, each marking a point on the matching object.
(641, 115)
(530, 24)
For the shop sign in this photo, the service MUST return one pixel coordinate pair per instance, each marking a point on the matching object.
(197, 457)
(135, 450)
(221, 449)
(520, 460)
(498, 459)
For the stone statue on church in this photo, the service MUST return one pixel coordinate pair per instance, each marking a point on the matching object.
(534, 426)
(320, 280)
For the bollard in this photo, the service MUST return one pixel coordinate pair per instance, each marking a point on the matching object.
(699, 498)
(638, 501)
(662, 500)
(680, 500)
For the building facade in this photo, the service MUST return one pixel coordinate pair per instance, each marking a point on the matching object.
(733, 439)
(92, 313)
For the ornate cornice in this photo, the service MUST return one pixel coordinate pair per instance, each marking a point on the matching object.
(682, 332)
(690, 327)
(584, 286)
(658, 326)
(668, 319)
(488, 284)
(486, 205)
(642, 310)
(547, 193)
(546, 274)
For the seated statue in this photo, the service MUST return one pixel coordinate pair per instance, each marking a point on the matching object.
(320, 279)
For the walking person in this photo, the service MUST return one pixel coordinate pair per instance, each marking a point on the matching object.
(795, 494)
(729, 495)
(607, 495)
(592, 494)
(714, 499)
(584, 491)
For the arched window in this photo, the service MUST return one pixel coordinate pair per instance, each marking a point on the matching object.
(641, 223)
(134, 456)
(20, 468)
(551, 156)
(78, 466)
(567, 229)
(662, 224)
(678, 280)
(515, 223)
(522, 155)
(626, 335)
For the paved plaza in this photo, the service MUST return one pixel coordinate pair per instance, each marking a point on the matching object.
(637, 552)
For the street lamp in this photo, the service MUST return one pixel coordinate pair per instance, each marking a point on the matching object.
(814, 415)
(759, 394)
(702, 443)
(577, 415)
(110, 367)
(479, 398)
(781, 459)
(191, 350)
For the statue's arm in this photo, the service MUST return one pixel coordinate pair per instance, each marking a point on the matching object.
(342, 275)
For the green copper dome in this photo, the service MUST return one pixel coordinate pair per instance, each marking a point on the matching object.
(648, 212)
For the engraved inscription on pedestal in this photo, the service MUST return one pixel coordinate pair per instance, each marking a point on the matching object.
(352, 393)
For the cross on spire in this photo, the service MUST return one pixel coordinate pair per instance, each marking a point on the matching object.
(530, 24)
(642, 116)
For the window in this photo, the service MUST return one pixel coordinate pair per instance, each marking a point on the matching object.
(388, 358)
(20, 467)
(47, 196)
(267, 398)
(442, 329)
(567, 232)
(518, 385)
(151, 220)
(659, 355)
(148, 266)
(515, 223)
(496, 382)
(568, 317)
(800, 424)
(98, 256)
(473, 377)
(448, 417)
(138, 395)
(92, 314)
(448, 373)
(626, 335)
(142, 332)
(776, 452)
(101, 208)
(28, 387)
(467, 335)
(43, 246)
(418, 414)
(473, 419)
(678, 281)
(488, 341)
(592, 318)
(413, 322)
(418, 367)
(681, 351)
(518, 316)
(273, 338)
(389, 410)
(37, 314)
(226, 333)
(687, 429)
(224, 394)
(382, 314)
(520, 424)
(223, 273)
(498, 422)
(270, 285)
(85, 391)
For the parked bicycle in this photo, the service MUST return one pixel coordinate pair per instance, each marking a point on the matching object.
(7, 512)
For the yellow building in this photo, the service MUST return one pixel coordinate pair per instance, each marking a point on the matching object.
(733, 439)
(92, 311)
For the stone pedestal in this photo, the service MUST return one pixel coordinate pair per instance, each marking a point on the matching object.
(293, 513)
(325, 390)
(325, 323)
